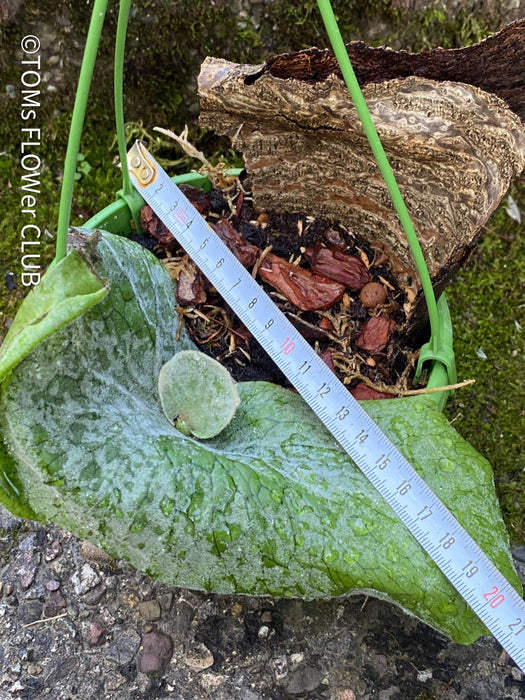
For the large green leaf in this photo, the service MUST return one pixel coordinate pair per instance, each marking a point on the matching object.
(272, 505)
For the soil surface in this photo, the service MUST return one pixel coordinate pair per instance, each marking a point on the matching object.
(340, 293)
(75, 623)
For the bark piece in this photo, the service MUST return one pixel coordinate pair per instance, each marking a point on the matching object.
(494, 65)
(375, 334)
(454, 149)
(363, 392)
(190, 286)
(338, 266)
(156, 229)
(245, 252)
(304, 289)
(197, 197)
(326, 357)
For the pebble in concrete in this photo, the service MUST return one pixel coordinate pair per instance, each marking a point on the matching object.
(155, 654)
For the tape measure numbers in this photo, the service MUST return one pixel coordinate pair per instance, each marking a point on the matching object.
(469, 570)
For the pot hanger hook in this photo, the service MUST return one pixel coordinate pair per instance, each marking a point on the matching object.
(127, 193)
(77, 123)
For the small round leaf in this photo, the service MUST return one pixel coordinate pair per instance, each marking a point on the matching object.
(197, 394)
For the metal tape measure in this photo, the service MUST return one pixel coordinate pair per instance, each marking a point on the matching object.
(488, 593)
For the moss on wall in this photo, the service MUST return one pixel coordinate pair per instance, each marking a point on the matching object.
(166, 43)
(487, 302)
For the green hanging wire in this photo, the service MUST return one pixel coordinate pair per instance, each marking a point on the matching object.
(127, 193)
(77, 123)
(341, 54)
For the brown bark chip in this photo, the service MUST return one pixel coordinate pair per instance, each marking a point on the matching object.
(375, 334)
(304, 289)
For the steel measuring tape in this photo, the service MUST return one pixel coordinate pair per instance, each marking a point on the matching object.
(462, 561)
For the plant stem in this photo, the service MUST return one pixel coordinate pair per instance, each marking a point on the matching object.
(350, 79)
(77, 123)
(120, 45)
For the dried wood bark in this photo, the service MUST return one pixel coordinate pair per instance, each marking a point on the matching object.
(375, 334)
(245, 252)
(190, 286)
(454, 147)
(495, 65)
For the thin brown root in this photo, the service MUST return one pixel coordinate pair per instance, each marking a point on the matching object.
(260, 261)
(434, 389)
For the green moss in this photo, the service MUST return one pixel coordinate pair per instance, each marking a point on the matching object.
(378, 22)
(419, 31)
(487, 303)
